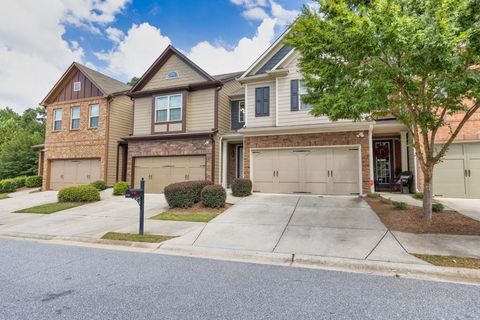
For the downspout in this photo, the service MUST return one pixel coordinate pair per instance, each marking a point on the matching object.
(107, 138)
(220, 161)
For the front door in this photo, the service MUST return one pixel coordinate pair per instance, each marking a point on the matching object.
(382, 155)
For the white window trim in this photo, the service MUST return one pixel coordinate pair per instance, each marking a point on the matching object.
(301, 105)
(244, 113)
(54, 119)
(79, 86)
(90, 116)
(168, 78)
(168, 107)
(72, 118)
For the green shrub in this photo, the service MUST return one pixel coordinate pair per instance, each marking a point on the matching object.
(399, 205)
(437, 207)
(33, 182)
(19, 181)
(81, 193)
(185, 194)
(99, 185)
(214, 196)
(120, 188)
(241, 187)
(7, 185)
(419, 195)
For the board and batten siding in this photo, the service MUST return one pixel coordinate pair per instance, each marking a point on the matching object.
(120, 125)
(201, 110)
(224, 109)
(186, 75)
(252, 121)
(142, 116)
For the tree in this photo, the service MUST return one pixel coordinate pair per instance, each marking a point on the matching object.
(418, 60)
(133, 81)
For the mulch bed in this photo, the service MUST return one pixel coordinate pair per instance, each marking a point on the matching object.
(199, 207)
(411, 219)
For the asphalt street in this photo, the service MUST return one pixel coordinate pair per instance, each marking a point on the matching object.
(48, 281)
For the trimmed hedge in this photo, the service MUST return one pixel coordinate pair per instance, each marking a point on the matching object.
(214, 196)
(33, 182)
(120, 188)
(19, 181)
(438, 207)
(99, 185)
(7, 185)
(81, 193)
(241, 187)
(184, 194)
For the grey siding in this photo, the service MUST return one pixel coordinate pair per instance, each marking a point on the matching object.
(274, 59)
(235, 124)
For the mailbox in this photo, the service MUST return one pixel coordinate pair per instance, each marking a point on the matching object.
(139, 196)
(134, 193)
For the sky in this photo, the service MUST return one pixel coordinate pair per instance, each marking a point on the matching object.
(39, 39)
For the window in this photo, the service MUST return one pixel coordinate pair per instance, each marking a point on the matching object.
(241, 111)
(302, 90)
(262, 102)
(57, 119)
(172, 75)
(168, 108)
(93, 116)
(77, 86)
(75, 118)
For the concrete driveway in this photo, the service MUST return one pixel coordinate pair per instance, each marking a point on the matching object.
(468, 207)
(301, 224)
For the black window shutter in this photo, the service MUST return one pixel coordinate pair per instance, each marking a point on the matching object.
(258, 101)
(266, 101)
(294, 95)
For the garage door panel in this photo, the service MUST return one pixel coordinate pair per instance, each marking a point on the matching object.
(473, 154)
(316, 166)
(65, 173)
(448, 178)
(288, 168)
(345, 166)
(263, 170)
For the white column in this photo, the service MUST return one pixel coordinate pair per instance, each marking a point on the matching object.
(403, 150)
(370, 158)
(224, 153)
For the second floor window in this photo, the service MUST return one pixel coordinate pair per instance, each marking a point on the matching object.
(57, 119)
(168, 108)
(75, 118)
(93, 116)
(302, 90)
(241, 111)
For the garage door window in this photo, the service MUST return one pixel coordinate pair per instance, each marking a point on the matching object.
(94, 113)
(57, 119)
(75, 118)
(168, 108)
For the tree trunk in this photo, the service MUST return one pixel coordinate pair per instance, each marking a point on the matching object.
(427, 194)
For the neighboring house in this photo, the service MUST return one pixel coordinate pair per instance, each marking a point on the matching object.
(87, 113)
(180, 113)
(284, 149)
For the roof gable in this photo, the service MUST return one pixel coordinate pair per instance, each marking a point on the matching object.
(275, 59)
(171, 58)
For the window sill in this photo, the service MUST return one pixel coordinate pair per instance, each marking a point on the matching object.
(165, 122)
(93, 128)
(262, 116)
(74, 129)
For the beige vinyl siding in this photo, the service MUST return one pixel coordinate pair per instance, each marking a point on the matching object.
(142, 120)
(186, 75)
(286, 117)
(216, 177)
(201, 110)
(120, 125)
(224, 109)
(253, 121)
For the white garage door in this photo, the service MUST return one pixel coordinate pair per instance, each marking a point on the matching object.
(458, 175)
(159, 172)
(64, 173)
(309, 170)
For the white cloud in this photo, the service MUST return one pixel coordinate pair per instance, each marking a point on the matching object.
(33, 54)
(256, 10)
(114, 34)
(136, 52)
(283, 16)
(250, 3)
(255, 13)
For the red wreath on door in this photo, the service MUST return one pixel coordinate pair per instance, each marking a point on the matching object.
(382, 151)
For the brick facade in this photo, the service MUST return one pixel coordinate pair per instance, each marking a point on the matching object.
(171, 147)
(80, 143)
(310, 140)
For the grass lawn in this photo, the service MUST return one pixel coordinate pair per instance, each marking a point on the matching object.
(181, 216)
(4, 196)
(51, 207)
(449, 261)
(411, 219)
(135, 237)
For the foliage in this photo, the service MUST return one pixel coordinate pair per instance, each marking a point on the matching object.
(99, 185)
(192, 217)
(419, 195)
(133, 81)
(415, 60)
(120, 188)
(19, 133)
(399, 205)
(241, 187)
(33, 182)
(80, 193)
(184, 194)
(438, 207)
(214, 196)
(7, 185)
(19, 181)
